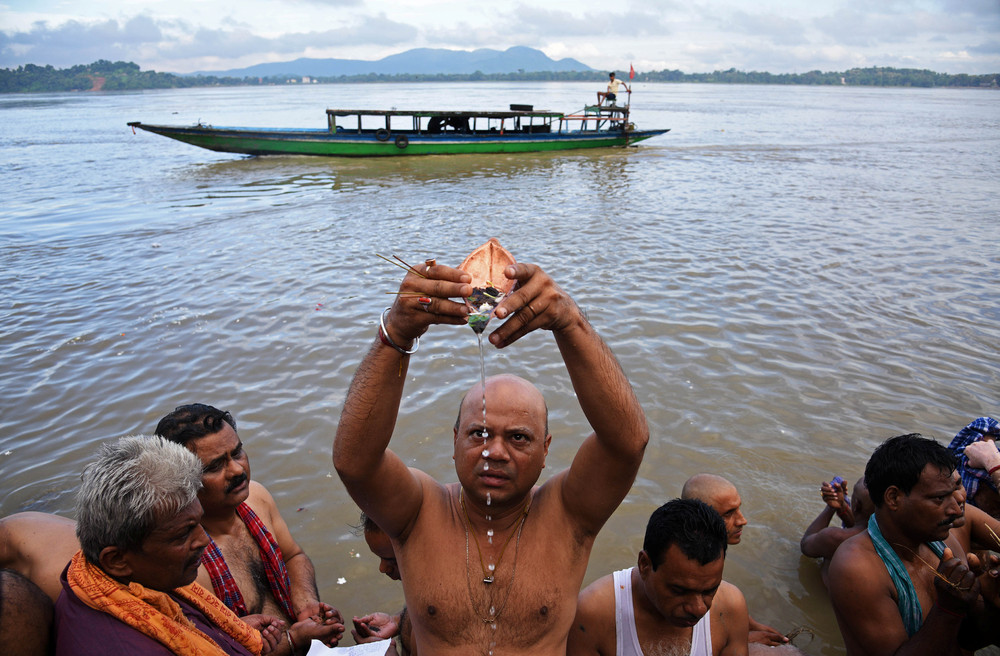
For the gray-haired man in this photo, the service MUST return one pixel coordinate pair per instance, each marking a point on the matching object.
(130, 589)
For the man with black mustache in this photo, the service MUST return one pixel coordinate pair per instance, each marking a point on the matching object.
(905, 585)
(252, 562)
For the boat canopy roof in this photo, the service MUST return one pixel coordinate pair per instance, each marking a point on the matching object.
(432, 113)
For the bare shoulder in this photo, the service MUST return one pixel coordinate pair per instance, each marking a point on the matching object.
(598, 597)
(858, 575)
(980, 528)
(593, 630)
(259, 494)
(34, 523)
(730, 597)
(261, 502)
(855, 554)
(27, 535)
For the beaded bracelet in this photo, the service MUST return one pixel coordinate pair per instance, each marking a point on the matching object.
(383, 335)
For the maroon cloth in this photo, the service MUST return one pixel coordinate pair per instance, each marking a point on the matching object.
(83, 631)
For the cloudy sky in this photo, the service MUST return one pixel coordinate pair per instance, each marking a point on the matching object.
(694, 36)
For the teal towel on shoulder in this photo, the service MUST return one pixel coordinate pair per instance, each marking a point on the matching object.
(906, 594)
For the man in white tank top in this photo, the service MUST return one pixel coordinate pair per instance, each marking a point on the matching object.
(674, 601)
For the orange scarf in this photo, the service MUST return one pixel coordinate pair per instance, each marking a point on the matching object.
(155, 614)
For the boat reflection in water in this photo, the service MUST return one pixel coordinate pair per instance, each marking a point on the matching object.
(385, 133)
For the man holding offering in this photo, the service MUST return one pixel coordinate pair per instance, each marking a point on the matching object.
(491, 564)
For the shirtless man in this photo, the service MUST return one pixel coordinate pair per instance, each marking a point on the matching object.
(723, 497)
(673, 601)
(252, 563)
(38, 546)
(820, 539)
(491, 564)
(382, 626)
(904, 585)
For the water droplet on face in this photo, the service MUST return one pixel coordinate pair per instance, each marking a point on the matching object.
(489, 532)
(491, 567)
(489, 518)
(489, 499)
(486, 467)
(486, 453)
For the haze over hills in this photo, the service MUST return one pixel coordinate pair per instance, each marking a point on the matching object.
(419, 61)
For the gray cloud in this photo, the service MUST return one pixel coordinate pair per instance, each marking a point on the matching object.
(534, 20)
(770, 27)
(986, 48)
(537, 27)
(142, 39)
(865, 24)
(74, 42)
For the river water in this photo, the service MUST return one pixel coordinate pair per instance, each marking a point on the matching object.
(789, 276)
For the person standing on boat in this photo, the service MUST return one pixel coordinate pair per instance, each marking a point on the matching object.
(491, 564)
(611, 95)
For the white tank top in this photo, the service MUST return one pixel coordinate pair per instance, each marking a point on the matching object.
(627, 640)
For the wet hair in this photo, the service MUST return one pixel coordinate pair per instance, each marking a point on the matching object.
(899, 461)
(365, 525)
(693, 525)
(190, 422)
(134, 484)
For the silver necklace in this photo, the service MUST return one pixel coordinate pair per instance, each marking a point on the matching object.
(494, 612)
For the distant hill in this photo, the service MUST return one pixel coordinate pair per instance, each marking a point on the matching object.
(104, 75)
(419, 61)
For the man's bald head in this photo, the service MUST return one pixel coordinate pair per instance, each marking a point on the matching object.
(705, 487)
(861, 502)
(503, 384)
(722, 495)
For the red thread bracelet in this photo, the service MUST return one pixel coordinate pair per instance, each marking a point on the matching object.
(990, 472)
(953, 613)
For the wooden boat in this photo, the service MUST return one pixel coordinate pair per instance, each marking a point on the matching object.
(384, 133)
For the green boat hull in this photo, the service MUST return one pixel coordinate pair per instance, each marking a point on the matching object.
(381, 143)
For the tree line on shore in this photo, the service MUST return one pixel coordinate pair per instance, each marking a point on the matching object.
(127, 76)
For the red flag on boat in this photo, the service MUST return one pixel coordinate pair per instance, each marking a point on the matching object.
(631, 72)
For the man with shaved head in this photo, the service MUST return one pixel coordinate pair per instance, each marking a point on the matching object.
(493, 562)
(722, 495)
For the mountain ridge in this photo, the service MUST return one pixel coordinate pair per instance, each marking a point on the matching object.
(417, 61)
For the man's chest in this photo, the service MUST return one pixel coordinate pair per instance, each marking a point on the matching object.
(242, 555)
(532, 599)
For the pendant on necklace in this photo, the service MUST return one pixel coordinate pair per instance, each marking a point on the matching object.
(488, 580)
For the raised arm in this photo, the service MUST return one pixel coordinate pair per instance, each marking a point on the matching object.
(984, 455)
(606, 463)
(820, 539)
(375, 477)
(834, 495)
